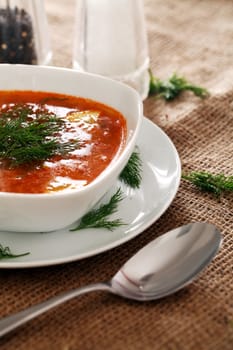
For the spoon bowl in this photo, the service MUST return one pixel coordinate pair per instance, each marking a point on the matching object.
(168, 263)
(161, 268)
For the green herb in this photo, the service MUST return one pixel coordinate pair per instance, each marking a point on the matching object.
(131, 174)
(205, 181)
(24, 139)
(98, 218)
(171, 88)
(5, 253)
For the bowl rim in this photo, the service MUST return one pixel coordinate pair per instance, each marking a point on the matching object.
(117, 158)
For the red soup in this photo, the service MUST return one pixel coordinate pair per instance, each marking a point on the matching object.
(52, 142)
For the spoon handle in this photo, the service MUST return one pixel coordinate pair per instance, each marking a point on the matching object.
(9, 323)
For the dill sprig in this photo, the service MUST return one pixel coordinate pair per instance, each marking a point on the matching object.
(99, 217)
(212, 183)
(132, 172)
(24, 139)
(171, 88)
(5, 253)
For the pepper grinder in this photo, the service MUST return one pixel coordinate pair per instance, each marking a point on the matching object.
(24, 35)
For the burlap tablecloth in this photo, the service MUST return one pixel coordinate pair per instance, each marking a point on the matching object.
(193, 38)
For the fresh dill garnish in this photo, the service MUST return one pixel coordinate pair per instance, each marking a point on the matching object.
(171, 88)
(5, 253)
(131, 174)
(99, 217)
(27, 136)
(205, 181)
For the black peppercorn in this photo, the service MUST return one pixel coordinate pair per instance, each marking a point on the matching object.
(17, 43)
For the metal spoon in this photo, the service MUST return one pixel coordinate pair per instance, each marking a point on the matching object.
(162, 267)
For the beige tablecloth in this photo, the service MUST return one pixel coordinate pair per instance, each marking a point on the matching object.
(193, 38)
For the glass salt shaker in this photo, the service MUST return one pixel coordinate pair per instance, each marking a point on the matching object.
(111, 40)
(24, 35)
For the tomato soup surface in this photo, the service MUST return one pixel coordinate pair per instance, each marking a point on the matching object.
(99, 132)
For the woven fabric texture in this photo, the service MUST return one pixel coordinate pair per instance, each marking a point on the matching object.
(193, 38)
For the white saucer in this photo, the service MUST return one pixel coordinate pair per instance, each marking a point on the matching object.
(139, 209)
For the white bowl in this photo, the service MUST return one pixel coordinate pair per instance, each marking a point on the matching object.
(53, 211)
